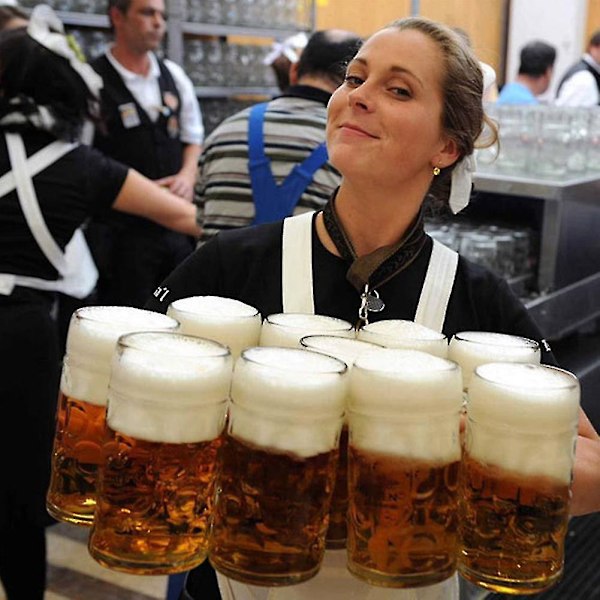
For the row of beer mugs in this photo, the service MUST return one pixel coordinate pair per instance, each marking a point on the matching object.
(210, 432)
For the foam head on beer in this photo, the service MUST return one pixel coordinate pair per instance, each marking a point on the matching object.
(342, 348)
(91, 340)
(472, 348)
(526, 417)
(399, 333)
(287, 329)
(168, 387)
(402, 388)
(224, 320)
(287, 399)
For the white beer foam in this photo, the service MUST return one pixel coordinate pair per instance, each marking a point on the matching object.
(168, 387)
(398, 333)
(473, 348)
(287, 329)
(406, 403)
(91, 341)
(345, 349)
(294, 399)
(524, 418)
(225, 320)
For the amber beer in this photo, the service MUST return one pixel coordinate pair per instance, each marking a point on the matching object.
(404, 457)
(278, 465)
(80, 419)
(514, 488)
(225, 320)
(346, 350)
(167, 401)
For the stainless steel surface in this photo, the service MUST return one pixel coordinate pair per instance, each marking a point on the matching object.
(228, 91)
(220, 29)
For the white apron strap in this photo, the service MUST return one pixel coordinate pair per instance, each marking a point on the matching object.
(296, 265)
(439, 280)
(30, 205)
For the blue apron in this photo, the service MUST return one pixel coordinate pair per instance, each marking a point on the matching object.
(274, 202)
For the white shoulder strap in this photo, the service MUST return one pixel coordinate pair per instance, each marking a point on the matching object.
(439, 280)
(296, 264)
(28, 198)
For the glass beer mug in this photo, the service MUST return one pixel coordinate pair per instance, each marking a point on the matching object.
(403, 464)
(278, 465)
(346, 350)
(398, 333)
(225, 320)
(167, 402)
(91, 340)
(516, 474)
(286, 329)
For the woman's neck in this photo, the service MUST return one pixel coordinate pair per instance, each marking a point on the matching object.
(369, 220)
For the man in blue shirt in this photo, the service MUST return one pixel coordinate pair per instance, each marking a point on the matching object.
(535, 74)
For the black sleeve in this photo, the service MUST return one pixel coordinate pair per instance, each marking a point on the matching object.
(197, 275)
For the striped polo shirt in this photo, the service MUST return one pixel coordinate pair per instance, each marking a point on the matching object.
(294, 125)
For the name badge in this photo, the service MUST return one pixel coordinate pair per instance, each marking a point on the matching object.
(129, 115)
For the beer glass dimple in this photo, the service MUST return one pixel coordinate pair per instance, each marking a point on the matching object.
(472, 348)
(404, 458)
(515, 480)
(80, 419)
(278, 465)
(286, 329)
(346, 350)
(398, 333)
(225, 320)
(167, 402)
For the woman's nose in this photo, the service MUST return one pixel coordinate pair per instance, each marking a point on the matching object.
(360, 98)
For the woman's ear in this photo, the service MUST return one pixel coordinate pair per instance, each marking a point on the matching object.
(448, 155)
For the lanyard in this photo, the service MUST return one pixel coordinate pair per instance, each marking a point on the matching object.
(368, 272)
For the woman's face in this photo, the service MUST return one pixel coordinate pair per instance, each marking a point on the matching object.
(384, 121)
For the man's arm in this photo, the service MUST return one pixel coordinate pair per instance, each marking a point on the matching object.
(182, 184)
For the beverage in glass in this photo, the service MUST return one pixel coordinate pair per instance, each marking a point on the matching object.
(80, 420)
(346, 350)
(399, 333)
(515, 481)
(404, 458)
(286, 329)
(473, 348)
(167, 402)
(278, 465)
(225, 320)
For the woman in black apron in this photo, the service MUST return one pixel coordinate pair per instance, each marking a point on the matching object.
(49, 185)
(402, 127)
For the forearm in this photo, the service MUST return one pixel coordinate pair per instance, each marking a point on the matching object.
(142, 197)
(191, 155)
(586, 479)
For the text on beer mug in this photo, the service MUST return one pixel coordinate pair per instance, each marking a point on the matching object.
(167, 402)
(80, 420)
(516, 475)
(403, 463)
(278, 465)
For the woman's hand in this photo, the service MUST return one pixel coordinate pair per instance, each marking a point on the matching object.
(586, 479)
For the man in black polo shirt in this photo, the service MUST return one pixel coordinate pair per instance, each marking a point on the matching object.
(152, 122)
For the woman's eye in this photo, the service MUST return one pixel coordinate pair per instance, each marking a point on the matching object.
(402, 92)
(352, 80)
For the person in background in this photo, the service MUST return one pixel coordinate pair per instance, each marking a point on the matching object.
(11, 16)
(536, 67)
(152, 123)
(49, 185)
(401, 129)
(283, 55)
(580, 85)
(249, 170)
